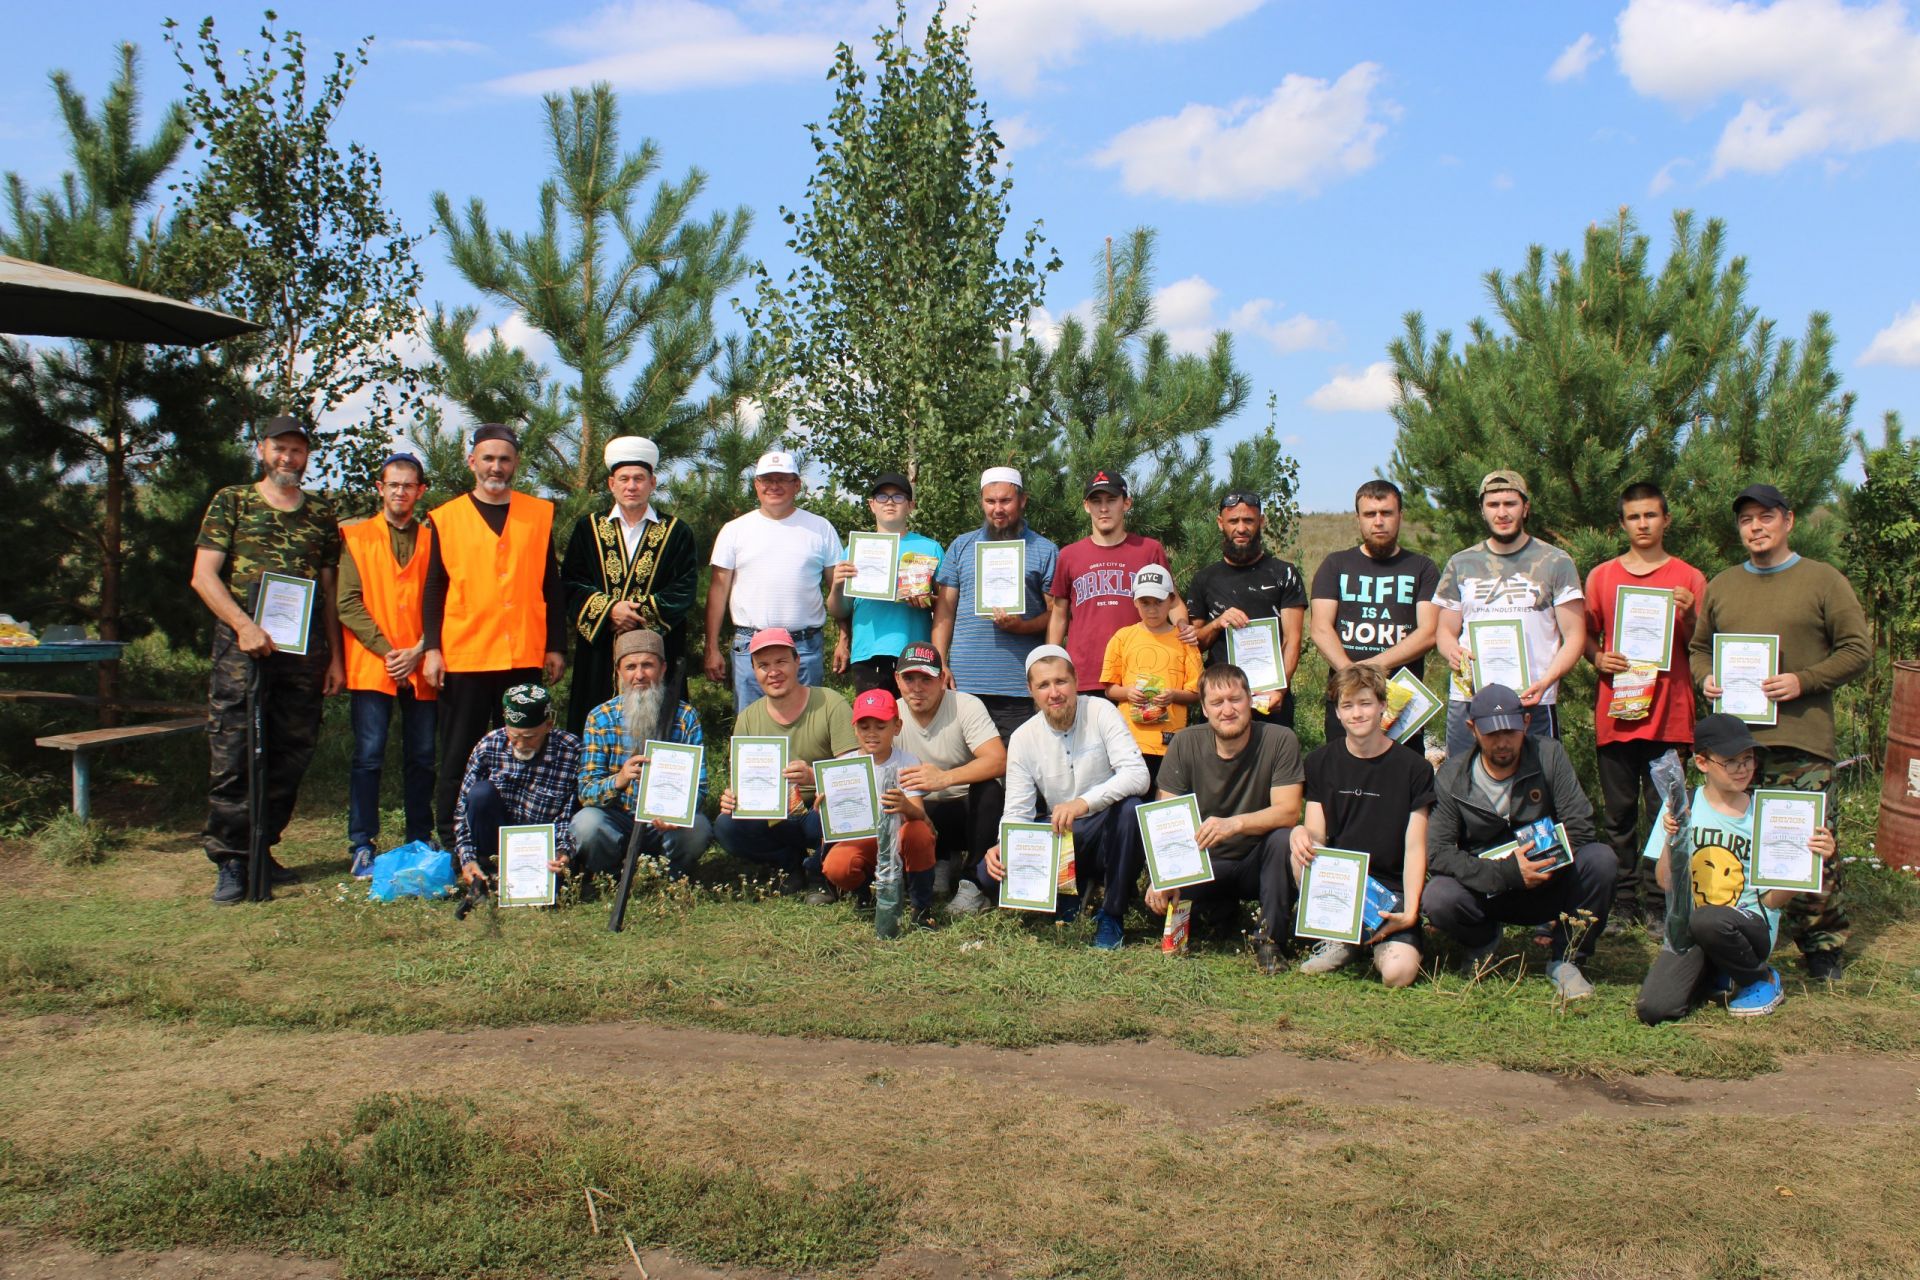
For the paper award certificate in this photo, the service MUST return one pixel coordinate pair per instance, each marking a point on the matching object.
(1333, 896)
(1419, 706)
(1740, 665)
(285, 611)
(876, 559)
(670, 782)
(849, 798)
(1030, 852)
(1643, 625)
(1170, 829)
(1499, 648)
(759, 768)
(1783, 826)
(1255, 649)
(525, 878)
(999, 578)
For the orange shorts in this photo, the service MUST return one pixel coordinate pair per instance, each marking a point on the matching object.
(849, 865)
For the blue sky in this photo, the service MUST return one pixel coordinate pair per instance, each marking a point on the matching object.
(1314, 170)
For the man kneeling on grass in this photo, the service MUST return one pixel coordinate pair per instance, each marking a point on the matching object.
(1732, 925)
(524, 773)
(1504, 785)
(847, 866)
(1368, 793)
(1244, 774)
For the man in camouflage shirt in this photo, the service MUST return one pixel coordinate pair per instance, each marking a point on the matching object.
(270, 526)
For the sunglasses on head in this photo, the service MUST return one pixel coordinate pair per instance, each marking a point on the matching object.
(1240, 500)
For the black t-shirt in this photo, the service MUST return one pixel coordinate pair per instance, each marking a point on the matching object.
(1367, 802)
(1375, 600)
(1229, 788)
(1259, 590)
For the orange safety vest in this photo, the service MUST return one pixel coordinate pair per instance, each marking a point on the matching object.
(496, 614)
(392, 595)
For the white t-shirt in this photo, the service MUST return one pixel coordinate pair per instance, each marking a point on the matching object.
(777, 568)
(957, 730)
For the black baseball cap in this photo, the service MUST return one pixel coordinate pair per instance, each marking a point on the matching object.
(1106, 481)
(285, 426)
(1764, 494)
(919, 656)
(1724, 735)
(495, 431)
(894, 480)
(1495, 708)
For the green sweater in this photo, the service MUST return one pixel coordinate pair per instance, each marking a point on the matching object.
(1823, 640)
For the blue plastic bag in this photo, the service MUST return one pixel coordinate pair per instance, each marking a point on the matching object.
(416, 870)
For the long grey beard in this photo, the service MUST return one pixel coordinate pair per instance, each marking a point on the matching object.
(641, 709)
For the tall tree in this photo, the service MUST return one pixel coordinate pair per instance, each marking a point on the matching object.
(608, 277)
(886, 337)
(1882, 546)
(293, 226)
(1604, 372)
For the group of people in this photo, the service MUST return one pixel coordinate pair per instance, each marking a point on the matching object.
(1092, 685)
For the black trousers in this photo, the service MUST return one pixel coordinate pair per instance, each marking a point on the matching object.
(1627, 794)
(964, 828)
(1725, 939)
(1474, 919)
(1007, 715)
(874, 673)
(1263, 875)
(469, 707)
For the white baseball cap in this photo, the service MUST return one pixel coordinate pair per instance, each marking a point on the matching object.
(777, 463)
(1152, 582)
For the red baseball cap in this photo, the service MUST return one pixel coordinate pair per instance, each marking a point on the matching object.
(767, 637)
(876, 704)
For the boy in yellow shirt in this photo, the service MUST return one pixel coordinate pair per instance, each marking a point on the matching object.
(1149, 671)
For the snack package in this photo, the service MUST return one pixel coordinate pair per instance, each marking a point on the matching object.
(1173, 938)
(1460, 686)
(1153, 687)
(1633, 691)
(1398, 696)
(1069, 879)
(1380, 902)
(1265, 702)
(916, 574)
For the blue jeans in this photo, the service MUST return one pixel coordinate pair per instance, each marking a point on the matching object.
(813, 666)
(600, 842)
(1542, 722)
(1106, 845)
(371, 713)
(787, 844)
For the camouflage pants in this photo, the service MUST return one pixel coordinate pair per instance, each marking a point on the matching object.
(290, 713)
(1814, 922)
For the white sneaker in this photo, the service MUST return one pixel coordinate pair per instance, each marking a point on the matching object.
(968, 900)
(1329, 957)
(1569, 981)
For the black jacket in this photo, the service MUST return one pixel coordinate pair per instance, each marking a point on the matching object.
(1462, 826)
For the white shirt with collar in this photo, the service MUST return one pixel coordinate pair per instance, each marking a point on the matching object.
(1097, 760)
(630, 533)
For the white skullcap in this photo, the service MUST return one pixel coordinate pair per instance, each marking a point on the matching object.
(622, 450)
(1046, 651)
(1001, 475)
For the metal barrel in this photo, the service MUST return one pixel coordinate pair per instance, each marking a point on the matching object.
(1899, 840)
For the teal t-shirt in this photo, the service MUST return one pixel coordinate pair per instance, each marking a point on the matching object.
(882, 628)
(1722, 859)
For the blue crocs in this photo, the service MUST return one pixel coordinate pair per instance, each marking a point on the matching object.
(1757, 998)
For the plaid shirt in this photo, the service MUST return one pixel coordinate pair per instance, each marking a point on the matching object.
(537, 791)
(606, 750)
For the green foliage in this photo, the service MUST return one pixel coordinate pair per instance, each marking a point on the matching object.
(1882, 546)
(1608, 373)
(884, 343)
(292, 228)
(66, 841)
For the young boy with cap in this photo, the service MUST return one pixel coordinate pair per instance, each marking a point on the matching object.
(848, 865)
(1150, 671)
(881, 629)
(1733, 926)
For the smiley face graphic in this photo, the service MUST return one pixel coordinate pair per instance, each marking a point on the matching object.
(1719, 875)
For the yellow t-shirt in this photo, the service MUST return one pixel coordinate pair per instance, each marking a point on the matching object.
(1135, 655)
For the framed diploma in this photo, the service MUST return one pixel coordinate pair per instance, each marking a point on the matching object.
(1499, 648)
(1783, 825)
(1643, 625)
(999, 577)
(876, 562)
(1030, 853)
(1741, 664)
(759, 770)
(1255, 649)
(525, 878)
(1333, 896)
(849, 798)
(1170, 829)
(670, 783)
(1416, 705)
(284, 610)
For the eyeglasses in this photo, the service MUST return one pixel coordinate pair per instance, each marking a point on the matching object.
(1240, 500)
(891, 499)
(1745, 760)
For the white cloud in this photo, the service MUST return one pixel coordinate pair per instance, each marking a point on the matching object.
(1304, 135)
(1372, 390)
(1017, 133)
(1898, 343)
(1574, 60)
(517, 331)
(1186, 310)
(1665, 178)
(437, 46)
(1014, 41)
(661, 46)
(1502, 182)
(1814, 76)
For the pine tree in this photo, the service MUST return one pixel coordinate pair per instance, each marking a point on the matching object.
(1603, 373)
(1882, 546)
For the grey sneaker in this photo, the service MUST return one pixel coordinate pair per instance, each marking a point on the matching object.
(968, 900)
(1477, 959)
(1568, 980)
(943, 877)
(1329, 957)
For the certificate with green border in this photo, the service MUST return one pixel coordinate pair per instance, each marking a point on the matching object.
(284, 610)
(670, 782)
(757, 769)
(1030, 855)
(999, 577)
(1170, 829)
(525, 878)
(1507, 638)
(877, 557)
(849, 798)
(1783, 822)
(1255, 649)
(1333, 896)
(1421, 707)
(1740, 664)
(1643, 625)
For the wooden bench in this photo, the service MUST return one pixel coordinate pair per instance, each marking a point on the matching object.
(49, 698)
(84, 744)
